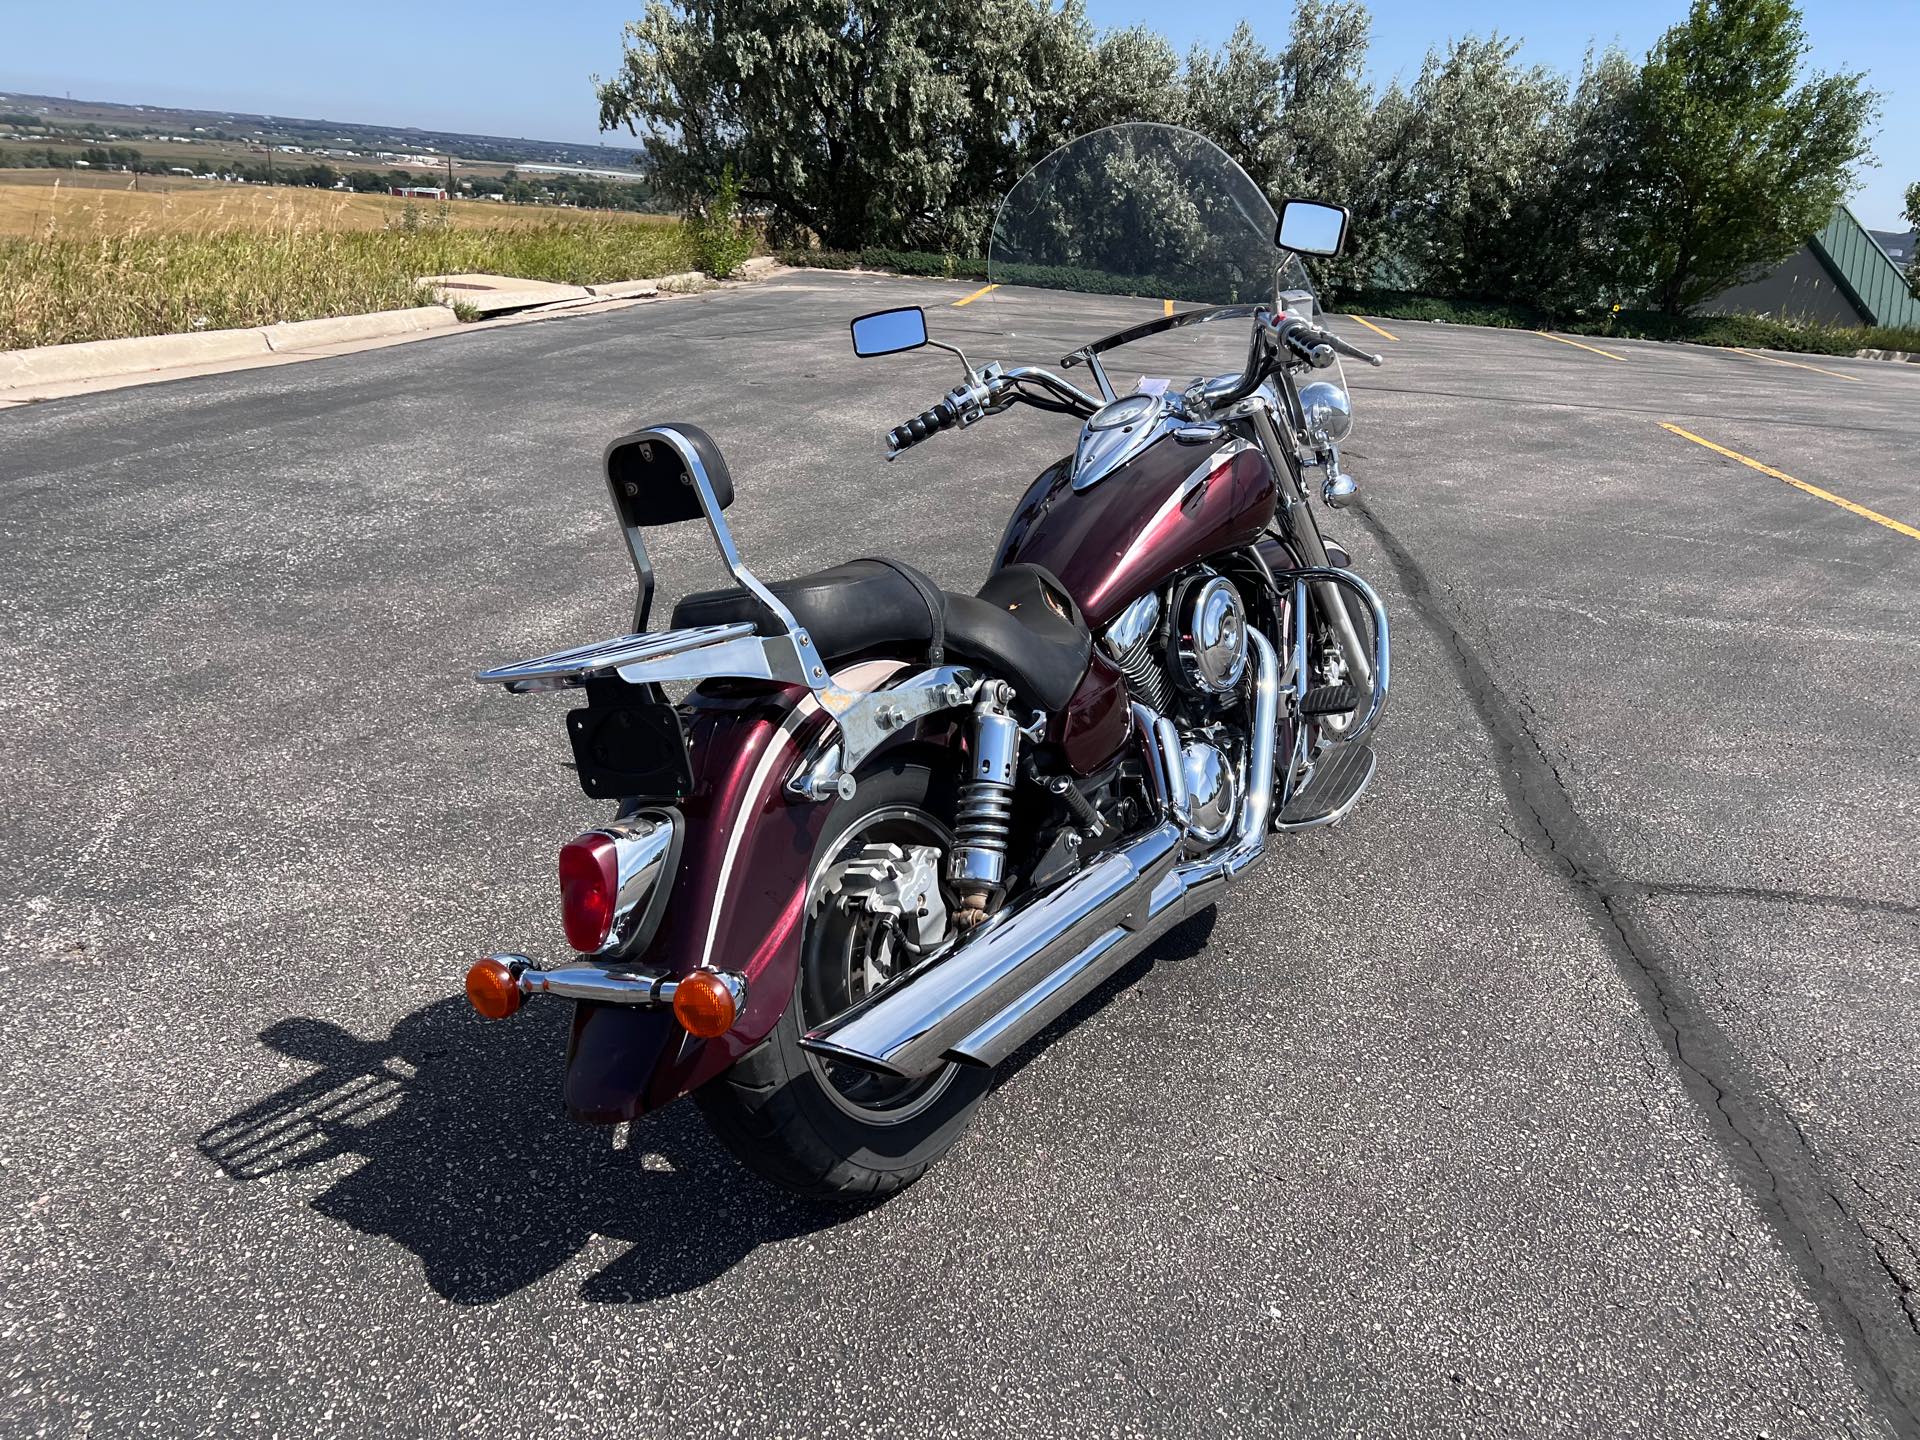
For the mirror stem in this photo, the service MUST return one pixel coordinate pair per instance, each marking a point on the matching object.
(973, 376)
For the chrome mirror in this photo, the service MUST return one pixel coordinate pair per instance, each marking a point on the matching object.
(887, 332)
(1311, 227)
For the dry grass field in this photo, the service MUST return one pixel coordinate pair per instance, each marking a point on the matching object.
(97, 261)
(73, 202)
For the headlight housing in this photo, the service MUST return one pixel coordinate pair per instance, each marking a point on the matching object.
(1327, 411)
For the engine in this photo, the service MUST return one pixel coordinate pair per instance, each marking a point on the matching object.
(1187, 659)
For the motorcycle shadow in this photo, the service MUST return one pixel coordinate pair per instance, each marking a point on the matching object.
(468, 1161)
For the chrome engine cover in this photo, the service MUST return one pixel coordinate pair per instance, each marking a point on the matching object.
(1212, 639)
(1213, 790)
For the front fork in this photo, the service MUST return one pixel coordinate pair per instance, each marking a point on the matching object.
(1295, 519)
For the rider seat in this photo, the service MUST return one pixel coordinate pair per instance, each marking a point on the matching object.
(1022, 626)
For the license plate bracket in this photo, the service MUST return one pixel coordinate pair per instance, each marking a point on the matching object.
(636, 751)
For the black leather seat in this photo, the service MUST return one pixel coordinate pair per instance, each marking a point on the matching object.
(1023, 626)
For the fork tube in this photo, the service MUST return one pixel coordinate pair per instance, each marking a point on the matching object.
(1297, 516)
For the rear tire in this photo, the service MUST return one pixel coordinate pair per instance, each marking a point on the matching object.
(821, 1129)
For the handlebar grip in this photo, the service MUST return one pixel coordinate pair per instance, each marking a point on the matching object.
(1311, 348)
(1307, 342)
(940, 417)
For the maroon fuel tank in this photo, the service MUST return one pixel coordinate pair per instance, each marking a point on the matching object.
(1167, 508)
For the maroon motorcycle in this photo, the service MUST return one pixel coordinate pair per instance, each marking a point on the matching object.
(891, 832)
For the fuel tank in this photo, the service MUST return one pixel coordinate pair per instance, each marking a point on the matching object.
(1170, 506)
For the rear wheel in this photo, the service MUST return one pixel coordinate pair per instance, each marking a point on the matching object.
(814, 1125)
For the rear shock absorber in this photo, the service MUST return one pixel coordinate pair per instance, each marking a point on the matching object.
(984, 819)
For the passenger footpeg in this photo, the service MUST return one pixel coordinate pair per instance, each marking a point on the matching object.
(1338, 781)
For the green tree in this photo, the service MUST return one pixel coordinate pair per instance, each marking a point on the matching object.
(1135, 76)
(1464, 157)
(875, 123)
(1234, 97)
(1564, 249)
(1736, 164)
(1913, 224)
(838, 119)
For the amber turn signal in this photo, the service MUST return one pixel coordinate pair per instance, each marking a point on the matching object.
(703, 1003)
(492, 988)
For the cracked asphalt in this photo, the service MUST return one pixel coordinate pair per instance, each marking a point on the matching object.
(1568, 1088)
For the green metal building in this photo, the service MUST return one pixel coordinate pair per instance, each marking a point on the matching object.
(1839, 277)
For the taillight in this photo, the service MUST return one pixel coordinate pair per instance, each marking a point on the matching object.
(589, 886)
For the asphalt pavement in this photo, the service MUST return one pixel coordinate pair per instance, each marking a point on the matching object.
(1568, 1088)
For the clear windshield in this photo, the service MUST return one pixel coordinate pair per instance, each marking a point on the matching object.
(1151, 212)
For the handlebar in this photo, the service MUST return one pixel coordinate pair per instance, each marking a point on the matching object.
(991, 390)
(986, 393)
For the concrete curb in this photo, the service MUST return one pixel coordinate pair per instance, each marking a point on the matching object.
(625, 289)
(1911, 357)
(97, 359)
(307, 334)
(206, 350)
(492, 294)
(46, 364)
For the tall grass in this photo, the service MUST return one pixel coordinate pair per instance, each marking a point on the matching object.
(59, 286)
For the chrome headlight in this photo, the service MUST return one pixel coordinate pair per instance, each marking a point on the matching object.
(1327, 411)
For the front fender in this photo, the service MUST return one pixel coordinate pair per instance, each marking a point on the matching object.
(738, 901)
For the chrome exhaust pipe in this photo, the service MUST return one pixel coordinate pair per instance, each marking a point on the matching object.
(1030, 964)
(908, 1028)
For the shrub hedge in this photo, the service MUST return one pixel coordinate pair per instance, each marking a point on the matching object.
(1752, 332)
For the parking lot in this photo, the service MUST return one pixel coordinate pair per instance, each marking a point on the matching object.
(1569, 1087)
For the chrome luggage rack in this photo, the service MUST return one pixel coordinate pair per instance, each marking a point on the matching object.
(863, 718)
(712, 649)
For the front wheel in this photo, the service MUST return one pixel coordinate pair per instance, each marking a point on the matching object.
(814, 1125)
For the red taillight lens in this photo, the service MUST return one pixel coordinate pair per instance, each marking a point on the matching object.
(589, 883)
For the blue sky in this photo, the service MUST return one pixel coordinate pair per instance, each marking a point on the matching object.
(518, 69)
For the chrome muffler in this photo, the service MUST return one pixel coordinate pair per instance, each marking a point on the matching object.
(1035, 960)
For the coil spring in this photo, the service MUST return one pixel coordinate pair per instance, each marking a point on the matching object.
(983, 820)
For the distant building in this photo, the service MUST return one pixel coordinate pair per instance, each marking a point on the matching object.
(419, 192)
(1898, 244)
(1842, 276)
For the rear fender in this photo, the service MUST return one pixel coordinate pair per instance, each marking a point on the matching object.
(739, 898)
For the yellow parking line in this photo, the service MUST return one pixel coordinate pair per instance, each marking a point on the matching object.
(969, 299)
(1166, 307)
(1813, 490)
(1578, 346)
(1373, 327)
(1775, 360)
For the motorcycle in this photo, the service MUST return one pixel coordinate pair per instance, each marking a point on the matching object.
(891, 833)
